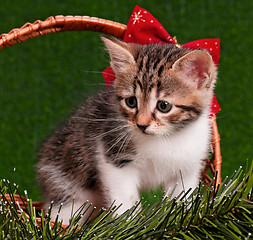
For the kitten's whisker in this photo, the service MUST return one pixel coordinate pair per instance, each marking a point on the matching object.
(166, 136)
(163, 137)
(117, 140)
(114, 139)
(95, 84)
(90, 71)
(111, 131)
(128, 140)
(102, 119)
(123, 142)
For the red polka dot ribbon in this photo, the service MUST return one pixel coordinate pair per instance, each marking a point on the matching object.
(143, 28)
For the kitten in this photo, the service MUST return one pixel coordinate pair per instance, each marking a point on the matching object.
(150, 129)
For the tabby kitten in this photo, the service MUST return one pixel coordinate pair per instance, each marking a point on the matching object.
(150, 129)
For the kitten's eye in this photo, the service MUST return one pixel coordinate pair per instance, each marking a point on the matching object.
(131, 102)
(163, 107)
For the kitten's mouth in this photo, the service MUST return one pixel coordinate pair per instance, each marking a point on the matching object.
(142, 129)
(146, 132)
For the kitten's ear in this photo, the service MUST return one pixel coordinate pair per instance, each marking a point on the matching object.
(196, 69)
(120, 54)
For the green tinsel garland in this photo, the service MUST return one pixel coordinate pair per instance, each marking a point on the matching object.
(206, 214)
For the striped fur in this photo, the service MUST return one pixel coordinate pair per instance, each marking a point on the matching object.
(150, 126)
(153, 76)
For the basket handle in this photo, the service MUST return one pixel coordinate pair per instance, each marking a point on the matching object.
(217, 159)
(60, 24)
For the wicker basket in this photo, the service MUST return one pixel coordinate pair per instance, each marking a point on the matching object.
(84, 23)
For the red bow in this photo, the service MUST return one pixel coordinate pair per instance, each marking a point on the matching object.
(143, 28)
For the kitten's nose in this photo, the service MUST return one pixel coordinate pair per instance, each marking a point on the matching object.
(142, 127)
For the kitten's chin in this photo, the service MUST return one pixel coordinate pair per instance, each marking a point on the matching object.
(148, 133)
(160, 133)
(140, 132)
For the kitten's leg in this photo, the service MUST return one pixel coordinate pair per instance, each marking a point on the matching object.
(121, 186)
(67, 209)
(93, 199)
(182, 182)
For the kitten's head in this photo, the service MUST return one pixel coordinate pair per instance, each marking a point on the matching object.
(160, 87)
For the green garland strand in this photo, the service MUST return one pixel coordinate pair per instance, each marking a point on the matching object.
(205, 214)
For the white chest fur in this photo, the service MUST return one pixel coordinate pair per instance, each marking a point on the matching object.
(160, 159)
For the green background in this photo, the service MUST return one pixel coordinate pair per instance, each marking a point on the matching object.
(43, 80)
